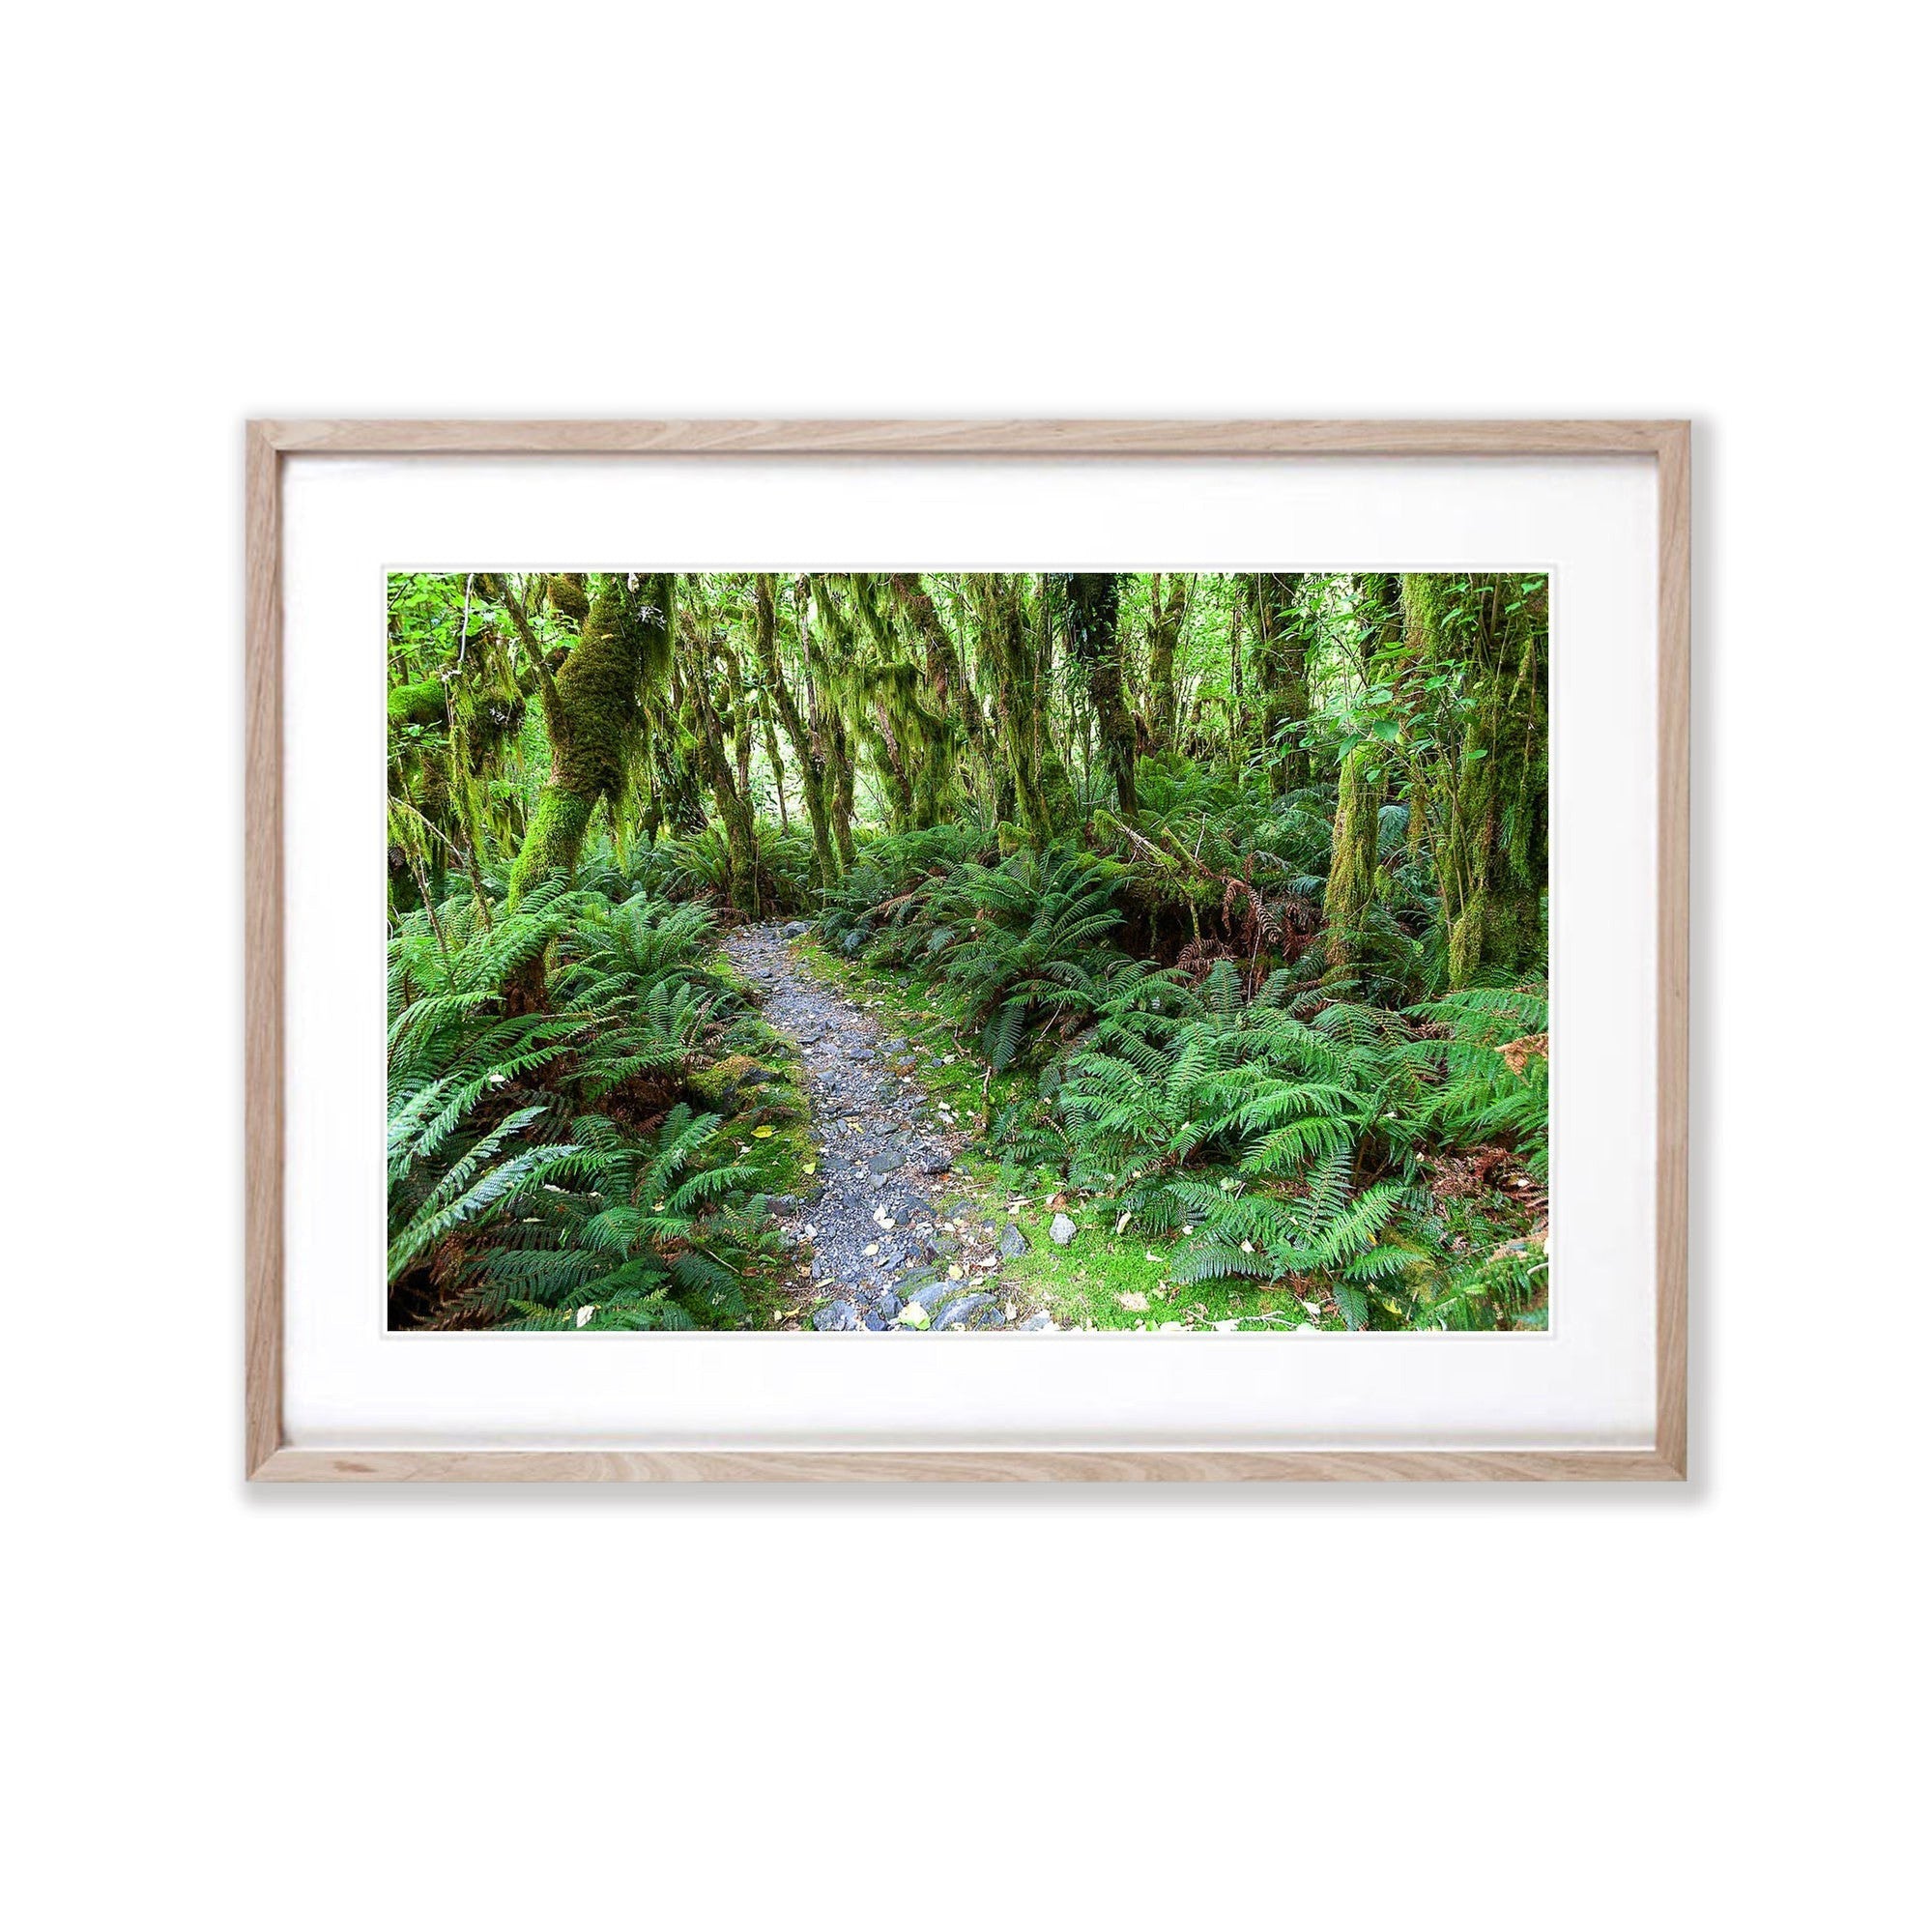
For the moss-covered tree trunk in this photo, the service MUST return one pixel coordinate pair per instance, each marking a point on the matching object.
(1167, 607)
(890, 761)
(1352, 870)
(767, 725)
(945, 670)
(717, 733)
(809, 753)
(1485, 793)
(831, 747)
(594, 713)
(843, 783)
(1281, 669)
(1089, 606)
(909, 731)
(677, 802)
(1016, 700)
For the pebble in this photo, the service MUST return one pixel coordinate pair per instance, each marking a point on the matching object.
(970, 1311)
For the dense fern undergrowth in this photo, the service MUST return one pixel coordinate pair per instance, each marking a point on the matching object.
(1230, 890)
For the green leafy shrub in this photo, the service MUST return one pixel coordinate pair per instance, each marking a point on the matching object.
(1288, 1144)
(651, 1230)
(540, 1142)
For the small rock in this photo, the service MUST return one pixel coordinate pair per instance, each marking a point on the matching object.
(887, 1159)
(839, 1316)
(797, 929)
(887, 1303)
(941, 1164)
(877, 1325)
(1012, 1243)
(1038, 1324)
(970, 1311)
(1062, 1230)
(933, 1295)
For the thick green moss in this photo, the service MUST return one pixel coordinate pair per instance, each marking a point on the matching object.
(1351, 870)
(567, 597)
(596, 719)
(415, 703)
(554, 838)
(597, 696)
(1491, 852)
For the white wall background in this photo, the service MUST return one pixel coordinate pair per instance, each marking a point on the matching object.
(1340, 1709)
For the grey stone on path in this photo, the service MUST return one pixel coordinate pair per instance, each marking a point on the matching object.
(838, 1315)
(1038, 1324)
(1012, 1243)
(887, 1304)
(1062, 1230)
(931, 1296)
(797, 929)
(887, 1159)
(975, 1310)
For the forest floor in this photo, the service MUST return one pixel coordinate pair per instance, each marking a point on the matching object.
(890, 1243)
(894, 1201)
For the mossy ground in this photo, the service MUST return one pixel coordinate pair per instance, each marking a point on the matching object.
(768, 1118)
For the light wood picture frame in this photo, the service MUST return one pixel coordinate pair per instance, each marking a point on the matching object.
(271, 1458)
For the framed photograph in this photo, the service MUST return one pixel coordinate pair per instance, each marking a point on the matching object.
(967, 951)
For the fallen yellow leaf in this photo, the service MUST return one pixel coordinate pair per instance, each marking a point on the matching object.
(761, 1132)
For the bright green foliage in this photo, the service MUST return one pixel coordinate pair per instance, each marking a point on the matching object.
(1226, 891)
(524, 1162)
(1286, 1146)
(1021, 944)
(648, 1236)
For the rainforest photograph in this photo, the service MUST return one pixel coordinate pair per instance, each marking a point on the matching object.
(939, 952)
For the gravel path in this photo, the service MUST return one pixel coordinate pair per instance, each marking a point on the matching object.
(880, 1249)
